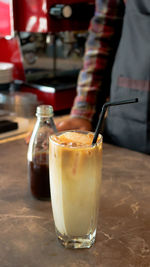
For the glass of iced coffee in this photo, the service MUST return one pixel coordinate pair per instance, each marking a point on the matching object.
(75, 182)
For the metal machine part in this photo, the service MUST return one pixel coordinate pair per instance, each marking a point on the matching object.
(77, 11)
(42, 15)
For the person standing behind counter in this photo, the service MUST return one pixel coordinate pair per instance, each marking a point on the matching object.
(116, 64)
(104, 35)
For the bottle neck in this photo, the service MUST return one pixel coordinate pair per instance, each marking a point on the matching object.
(44, 118)
(46, 121)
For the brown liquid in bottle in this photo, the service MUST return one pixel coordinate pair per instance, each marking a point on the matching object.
(38, 170)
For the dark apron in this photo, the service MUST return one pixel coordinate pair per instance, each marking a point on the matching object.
(129, 125)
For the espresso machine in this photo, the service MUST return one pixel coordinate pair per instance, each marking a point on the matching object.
(66, 20)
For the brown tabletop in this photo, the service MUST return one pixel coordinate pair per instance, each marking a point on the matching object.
(27, 236)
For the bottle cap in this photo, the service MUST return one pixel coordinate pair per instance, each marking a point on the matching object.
(44, 111)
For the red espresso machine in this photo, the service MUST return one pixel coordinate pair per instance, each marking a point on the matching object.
(47, 17)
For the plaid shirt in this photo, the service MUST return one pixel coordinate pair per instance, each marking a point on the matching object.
(101, 45)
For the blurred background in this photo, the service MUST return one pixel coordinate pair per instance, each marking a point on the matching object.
(44, 42)
(41, 49)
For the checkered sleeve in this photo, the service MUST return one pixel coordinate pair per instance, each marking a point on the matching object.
(101, 42)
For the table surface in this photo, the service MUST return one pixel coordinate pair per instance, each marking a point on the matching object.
(27, 235)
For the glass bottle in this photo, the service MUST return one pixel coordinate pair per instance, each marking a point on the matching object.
(38, 153)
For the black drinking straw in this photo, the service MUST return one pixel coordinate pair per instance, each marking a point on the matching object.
(104, 108)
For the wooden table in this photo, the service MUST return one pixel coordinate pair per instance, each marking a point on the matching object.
(27, 236)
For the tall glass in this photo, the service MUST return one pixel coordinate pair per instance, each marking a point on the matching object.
(75, 182)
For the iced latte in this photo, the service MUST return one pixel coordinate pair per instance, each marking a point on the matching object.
(75, 181)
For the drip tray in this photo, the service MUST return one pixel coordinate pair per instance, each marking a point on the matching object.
(58, 91)
(61, 81)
